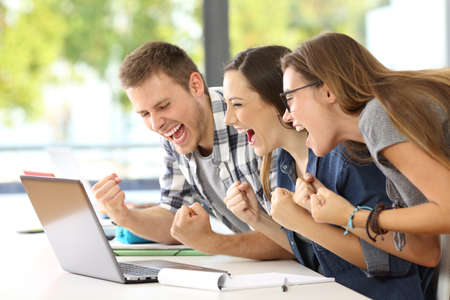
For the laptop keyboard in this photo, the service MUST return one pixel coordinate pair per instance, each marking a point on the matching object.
(137, 271)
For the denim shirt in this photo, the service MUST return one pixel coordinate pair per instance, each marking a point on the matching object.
(387, 276)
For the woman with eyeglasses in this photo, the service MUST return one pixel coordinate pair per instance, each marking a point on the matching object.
(252, 86)
(401, 117)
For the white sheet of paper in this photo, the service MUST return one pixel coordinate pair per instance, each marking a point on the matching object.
(262, 280)
(217, 281)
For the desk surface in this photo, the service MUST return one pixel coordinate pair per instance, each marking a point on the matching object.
(34, 273)
(31, 271)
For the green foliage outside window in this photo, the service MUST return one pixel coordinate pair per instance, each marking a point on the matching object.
(38, 34)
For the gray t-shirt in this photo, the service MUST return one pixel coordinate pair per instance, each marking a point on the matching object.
(214, 190)
(379, 133)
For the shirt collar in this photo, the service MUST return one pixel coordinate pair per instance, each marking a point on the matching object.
(285, 161)
(222, 132)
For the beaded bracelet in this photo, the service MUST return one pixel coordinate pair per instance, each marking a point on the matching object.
(350, 219)
(372, 222)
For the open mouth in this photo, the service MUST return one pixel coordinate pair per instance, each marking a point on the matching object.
(177, 134)
(251, 136)
(298, 127)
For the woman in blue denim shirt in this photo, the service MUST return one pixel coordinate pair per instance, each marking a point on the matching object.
(252, 84)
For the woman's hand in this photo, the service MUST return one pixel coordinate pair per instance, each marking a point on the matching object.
(304, 188)
(284, 209)
(241, 201)
(329, 207)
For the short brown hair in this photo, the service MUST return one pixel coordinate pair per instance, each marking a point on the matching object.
(154, 57)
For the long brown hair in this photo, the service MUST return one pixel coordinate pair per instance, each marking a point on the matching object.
(261, 67)
(411, 99)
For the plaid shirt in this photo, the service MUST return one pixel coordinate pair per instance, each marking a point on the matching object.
(232, 154)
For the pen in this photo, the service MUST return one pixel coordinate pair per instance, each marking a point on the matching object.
(284, 286)
(34, 230)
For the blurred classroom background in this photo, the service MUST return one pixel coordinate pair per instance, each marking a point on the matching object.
(59, 62)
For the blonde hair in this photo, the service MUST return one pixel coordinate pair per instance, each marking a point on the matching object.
(411, 99)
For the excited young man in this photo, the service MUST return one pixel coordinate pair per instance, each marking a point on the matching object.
(203, 157)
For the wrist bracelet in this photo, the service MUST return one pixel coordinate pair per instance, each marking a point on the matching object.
(372, 222)
(350, 219)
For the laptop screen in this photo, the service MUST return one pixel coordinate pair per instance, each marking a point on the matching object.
(71, 226)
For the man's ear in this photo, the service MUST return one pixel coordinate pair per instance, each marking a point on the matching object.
(196, 84)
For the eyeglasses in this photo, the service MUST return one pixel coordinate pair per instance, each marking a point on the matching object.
(283, 95)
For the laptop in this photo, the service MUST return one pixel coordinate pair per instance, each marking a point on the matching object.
(66, 166)
(76, 236)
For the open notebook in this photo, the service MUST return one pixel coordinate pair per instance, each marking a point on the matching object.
(222, 281)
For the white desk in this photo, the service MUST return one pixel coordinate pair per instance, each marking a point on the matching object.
(34, 273)
(31, 271)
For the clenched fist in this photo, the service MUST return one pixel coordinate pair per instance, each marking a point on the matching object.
(191, 226)
(329, 207)
(304, 188)
(284, 209)
(241, 201)
(111, 197)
